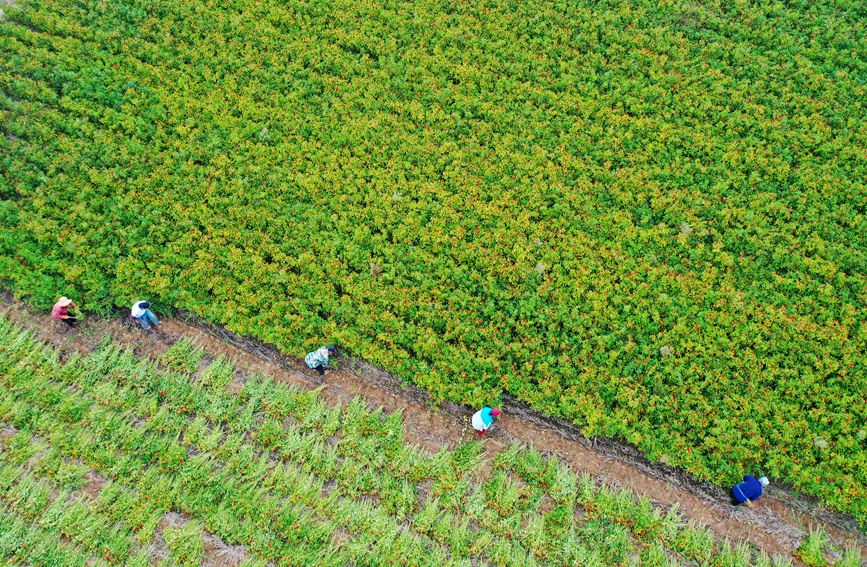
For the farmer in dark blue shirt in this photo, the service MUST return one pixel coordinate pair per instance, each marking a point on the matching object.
(748, 491)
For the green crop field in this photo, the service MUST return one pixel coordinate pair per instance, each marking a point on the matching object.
(644, 217)
(295, 481)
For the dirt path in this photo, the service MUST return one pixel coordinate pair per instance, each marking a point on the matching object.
(776, 524)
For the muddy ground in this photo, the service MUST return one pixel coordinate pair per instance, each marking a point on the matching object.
(777, 523)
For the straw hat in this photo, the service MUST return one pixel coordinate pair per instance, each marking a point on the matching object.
(64, 301)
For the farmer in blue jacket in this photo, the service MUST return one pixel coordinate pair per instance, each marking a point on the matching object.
(748, 491)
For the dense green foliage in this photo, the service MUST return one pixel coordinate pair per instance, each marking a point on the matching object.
(294, 480)
(644, 217)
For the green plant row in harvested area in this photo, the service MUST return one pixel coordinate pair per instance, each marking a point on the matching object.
(293, 480)
(644, 217)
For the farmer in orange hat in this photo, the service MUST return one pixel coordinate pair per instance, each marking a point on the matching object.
(60, 311)
(484, 418)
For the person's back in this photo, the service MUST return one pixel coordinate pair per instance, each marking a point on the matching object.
(749, 490)
(138, 308)
(483, 419)
(318, 359)
(60, 311)
(142, 314)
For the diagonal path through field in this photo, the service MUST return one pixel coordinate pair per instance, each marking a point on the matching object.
(777, 524)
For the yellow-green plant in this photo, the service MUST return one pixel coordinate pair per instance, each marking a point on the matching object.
(812, 549)
(186, 543)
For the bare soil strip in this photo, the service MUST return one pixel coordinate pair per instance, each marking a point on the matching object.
(777, 523)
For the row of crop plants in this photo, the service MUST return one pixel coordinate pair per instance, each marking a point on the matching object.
(295, 480)
(46, 521)
(275, 510)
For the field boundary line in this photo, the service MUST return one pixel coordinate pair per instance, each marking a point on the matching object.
(611, 448)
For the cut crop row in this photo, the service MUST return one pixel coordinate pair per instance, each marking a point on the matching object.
(276, 469)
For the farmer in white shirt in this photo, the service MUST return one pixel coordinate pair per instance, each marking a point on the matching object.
(142, 314)
(318, 359)
(484, 418)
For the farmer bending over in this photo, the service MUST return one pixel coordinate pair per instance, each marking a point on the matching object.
(142, 314)
(318, 359)
(60, 311)
(748, 491)
(484, 418)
